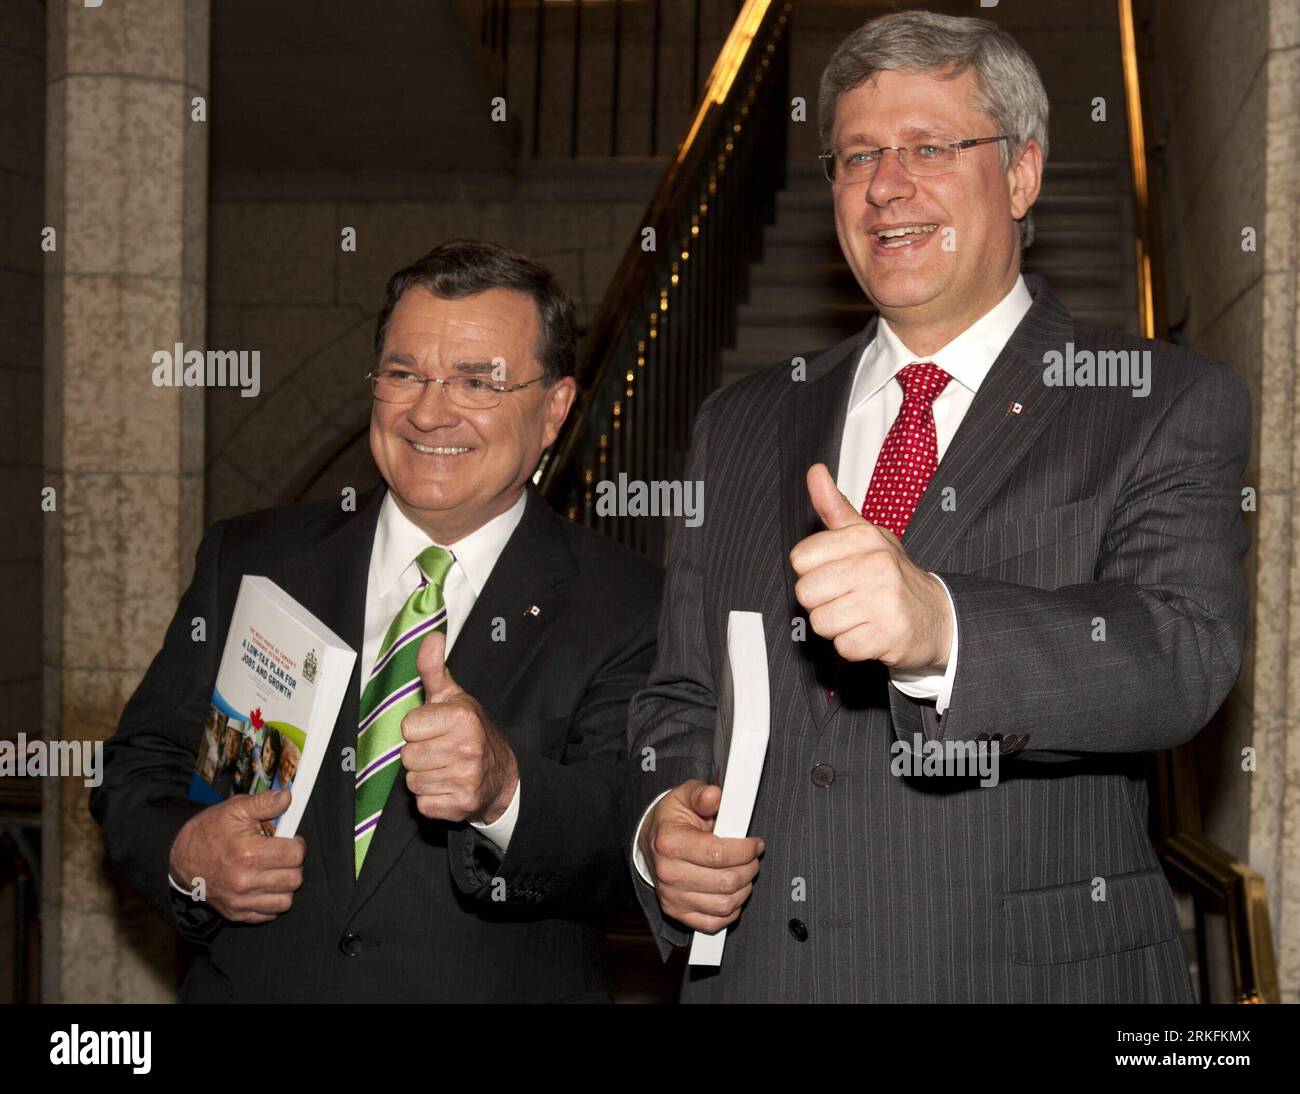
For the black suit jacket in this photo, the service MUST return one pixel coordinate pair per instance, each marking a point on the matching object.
(423, 922)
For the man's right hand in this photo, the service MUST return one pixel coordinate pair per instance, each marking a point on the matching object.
(248, 877)
(702, 880)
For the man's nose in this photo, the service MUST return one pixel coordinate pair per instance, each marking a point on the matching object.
(891, 179)
(433, 408)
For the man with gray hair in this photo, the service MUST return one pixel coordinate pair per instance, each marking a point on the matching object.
(948, 549)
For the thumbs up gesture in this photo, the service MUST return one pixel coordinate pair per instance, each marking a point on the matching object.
(863, 593)
(457, 765)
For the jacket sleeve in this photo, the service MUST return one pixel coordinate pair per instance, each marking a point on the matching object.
(143, 802)
(670, 728)
(1168, 596)
(566, 849)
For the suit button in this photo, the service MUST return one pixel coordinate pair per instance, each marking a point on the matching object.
(351, 945)
(823, 775)
(798, 930)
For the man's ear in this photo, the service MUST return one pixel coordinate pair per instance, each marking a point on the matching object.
(1025, 178)
(559, 401)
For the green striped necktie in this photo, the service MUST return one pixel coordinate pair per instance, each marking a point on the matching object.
(394, 688)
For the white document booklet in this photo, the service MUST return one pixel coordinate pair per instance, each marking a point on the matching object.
(739, 746)
(279, 688)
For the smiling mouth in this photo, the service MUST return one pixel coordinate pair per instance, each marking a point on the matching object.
(893, 238)
(440, 450)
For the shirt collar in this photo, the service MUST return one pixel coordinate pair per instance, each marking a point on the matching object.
(398, 541)
(967, 358)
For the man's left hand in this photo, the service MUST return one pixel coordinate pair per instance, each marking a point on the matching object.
(457, 766)
(862, 592)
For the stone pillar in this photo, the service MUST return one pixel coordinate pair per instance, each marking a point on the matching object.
(1232, 144)
(1275, 671)
(126, 193)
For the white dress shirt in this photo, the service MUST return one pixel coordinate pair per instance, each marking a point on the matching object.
(874, 402)
(394, 576)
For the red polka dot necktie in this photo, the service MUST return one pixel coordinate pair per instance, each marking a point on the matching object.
(910, 454)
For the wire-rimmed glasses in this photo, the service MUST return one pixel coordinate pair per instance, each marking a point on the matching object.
(929, 156)
(399, 385)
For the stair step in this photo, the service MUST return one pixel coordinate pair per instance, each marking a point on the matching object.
(775, 306)
(796, 334)
(1068, 209)
(802, 170)
(1080, 298)
(822, 265)
(797, 231)
(1070, 193)
(778, 292)
(832, 282)
(1050, 241)
(1064, 265)
(1090, 249)
(800, 224)
(829, 269)
(1124, 319)
(816, 310)
(785, 297)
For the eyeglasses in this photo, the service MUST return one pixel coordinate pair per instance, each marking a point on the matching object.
(936, 156)
(395, 385)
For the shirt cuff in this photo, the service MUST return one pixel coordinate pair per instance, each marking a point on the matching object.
(638, 859)
(501, 829)
(932, 685)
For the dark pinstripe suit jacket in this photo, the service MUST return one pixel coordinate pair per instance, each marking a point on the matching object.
(1088, 505)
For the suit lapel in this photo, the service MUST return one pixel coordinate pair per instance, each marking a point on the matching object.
(812, 425)
(332, 580)
(533, 563)
(993, 438)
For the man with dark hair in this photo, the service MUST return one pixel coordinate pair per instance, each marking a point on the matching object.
(473, 849)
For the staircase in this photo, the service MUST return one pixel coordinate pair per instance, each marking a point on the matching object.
(804, 299)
